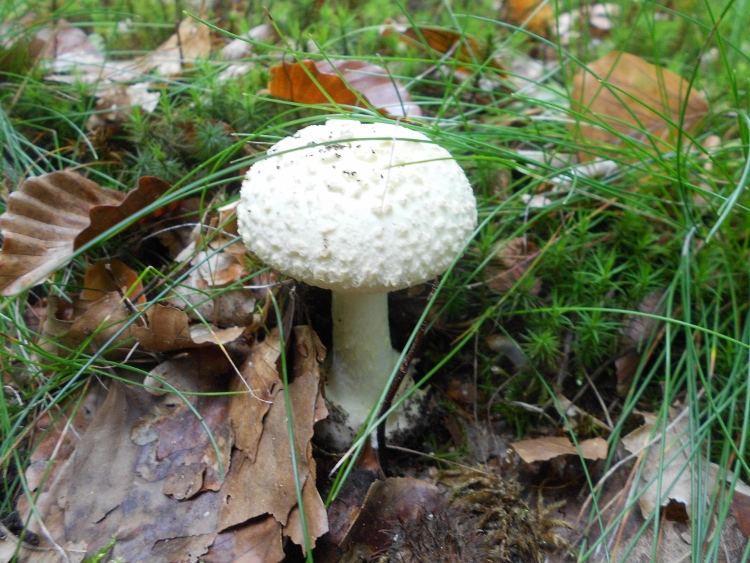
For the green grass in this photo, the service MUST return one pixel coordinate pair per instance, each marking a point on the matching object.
(670, 221)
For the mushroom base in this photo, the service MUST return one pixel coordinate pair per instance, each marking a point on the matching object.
(339, 430)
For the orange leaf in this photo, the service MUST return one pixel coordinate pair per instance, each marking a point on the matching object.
(623, 95)
(532, 15)
(42, 219)
(348, 83)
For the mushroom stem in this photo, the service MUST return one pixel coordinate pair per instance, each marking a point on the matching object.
(363, 357)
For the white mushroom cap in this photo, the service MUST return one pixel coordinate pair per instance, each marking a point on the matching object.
(354, 207)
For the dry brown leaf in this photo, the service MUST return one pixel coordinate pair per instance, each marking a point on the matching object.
(93, 322)
(637, 332)
(211, 291)
(510, 263)
(537, 16)
(344, 82)
(40, 224)
(111, 275)
(147, 457)
(107, 215)
(13, 549)
(256, 542)
(464, 48)
(543, 449)
(248, 410)
(673, 475)
(166, 329)
(624, 93)
(266, 484)
(191, 42)
(48, 217)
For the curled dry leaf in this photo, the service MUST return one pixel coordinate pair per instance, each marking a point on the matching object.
(550, 447)
(97, 315)
(41, 221)
(67, 326)
(103, 217)
(350, 82)
(166, 329)
(48, 217)
(622, 95)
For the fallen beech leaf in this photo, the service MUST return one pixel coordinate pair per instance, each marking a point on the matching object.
(192, 41)
(111, 275)
(510, 264)
(94, 322)
(40, 224)
(466, 48)
(537, 16)
(248, 409)
(218, 262)
(166, 329)
(623, 95)
(57, 434)
(266, 484)
(637, 332)
(673, 475)
(344, 82)
(258, 541)
(543, 449)
(13, 549)
(147, 457)
(124, 505)
(179, 451)
(107, 215)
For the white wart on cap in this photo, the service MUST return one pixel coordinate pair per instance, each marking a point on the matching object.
(361, 209)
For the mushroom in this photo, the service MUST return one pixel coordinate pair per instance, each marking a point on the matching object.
(361, 209)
